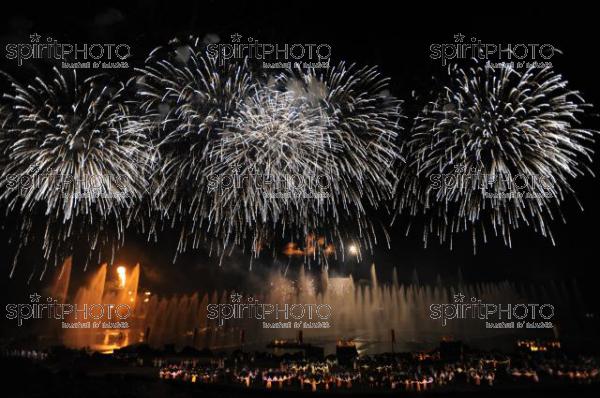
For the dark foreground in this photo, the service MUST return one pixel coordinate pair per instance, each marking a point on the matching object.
(28, 379)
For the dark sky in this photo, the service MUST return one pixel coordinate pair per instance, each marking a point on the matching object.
(389, 34)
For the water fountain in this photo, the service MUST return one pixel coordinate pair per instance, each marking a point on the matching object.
(365, 311)
(98, 290)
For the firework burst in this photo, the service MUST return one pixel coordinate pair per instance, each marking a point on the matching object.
(186, 99)
(272, 153)
(363, 125)
(186, 96)
(497, 149)
(215, 122)
(325, 142)
(72, 162)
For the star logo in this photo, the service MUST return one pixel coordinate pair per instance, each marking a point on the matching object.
(35, 298)
(459, 298)
(459, 37)
(236, 38)
(459, 168)
(35, 38)
(235, 297)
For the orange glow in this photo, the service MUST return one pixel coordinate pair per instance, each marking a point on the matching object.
(330, 249)
(122, 273)
(291, 249)
(312, 245)
(535, 346)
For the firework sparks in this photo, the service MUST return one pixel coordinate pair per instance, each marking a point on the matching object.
(335, 133)
(186, 99)
(4, 117)
(490, 132)
(4, 125)
(277, 147)
(243, 158)
(215, 120)
(72, 162)
(364, 120)
(363, 126)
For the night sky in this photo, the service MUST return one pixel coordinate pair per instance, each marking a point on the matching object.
(396, 39)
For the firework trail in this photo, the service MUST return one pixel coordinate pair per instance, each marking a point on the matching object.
(363, 126)
(497, 149)
(72, 162)
(272, 152)
(364, 118)
(218, 125)
(4, 123)
(301, 130)
(186, 99)
(4, 117)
